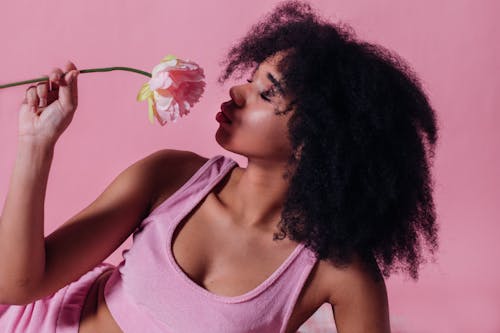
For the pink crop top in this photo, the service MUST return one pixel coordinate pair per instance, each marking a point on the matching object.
(149, 292)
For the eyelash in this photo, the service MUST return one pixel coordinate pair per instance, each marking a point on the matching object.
(262, 94)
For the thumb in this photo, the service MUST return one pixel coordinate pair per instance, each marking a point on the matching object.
(67, 90)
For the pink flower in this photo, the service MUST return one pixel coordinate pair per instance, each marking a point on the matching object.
(175, 86)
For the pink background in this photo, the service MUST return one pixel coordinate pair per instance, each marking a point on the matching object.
(452, 45)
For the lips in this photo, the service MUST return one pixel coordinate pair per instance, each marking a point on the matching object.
(227, 110)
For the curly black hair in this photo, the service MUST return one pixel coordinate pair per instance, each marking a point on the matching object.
(366, 132)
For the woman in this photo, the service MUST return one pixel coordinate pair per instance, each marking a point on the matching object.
(334, 198)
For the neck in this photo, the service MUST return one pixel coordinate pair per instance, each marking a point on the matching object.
(257, 194)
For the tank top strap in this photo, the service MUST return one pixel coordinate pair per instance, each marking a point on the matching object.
(175, 203)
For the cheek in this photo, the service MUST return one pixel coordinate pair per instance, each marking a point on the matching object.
(268, 133)
(260, 125)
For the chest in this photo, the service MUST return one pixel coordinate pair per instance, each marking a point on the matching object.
(228, 260)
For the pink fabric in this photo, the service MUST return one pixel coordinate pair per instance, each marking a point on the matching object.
(57, 313)
(149, 292)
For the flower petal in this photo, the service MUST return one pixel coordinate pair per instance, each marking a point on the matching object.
(161, 80)
(162, 102)
(175, 86)
(162, 66)
(151, 111)
(144, 93)
(168, 58)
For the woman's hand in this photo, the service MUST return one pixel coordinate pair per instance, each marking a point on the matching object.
(48, 107)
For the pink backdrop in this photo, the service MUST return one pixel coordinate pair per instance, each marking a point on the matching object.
(452, 45)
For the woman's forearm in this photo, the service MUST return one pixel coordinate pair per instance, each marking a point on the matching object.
(22, 241)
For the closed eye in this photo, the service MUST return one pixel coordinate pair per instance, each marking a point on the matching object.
(264, 94)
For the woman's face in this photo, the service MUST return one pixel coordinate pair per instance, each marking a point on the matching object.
(258, 127)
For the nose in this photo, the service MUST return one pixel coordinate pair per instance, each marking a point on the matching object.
(237, 95)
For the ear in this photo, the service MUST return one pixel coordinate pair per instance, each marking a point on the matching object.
(298, 152)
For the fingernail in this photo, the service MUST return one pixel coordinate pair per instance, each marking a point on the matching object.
(33, 109)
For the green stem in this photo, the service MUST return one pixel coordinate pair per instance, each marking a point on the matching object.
(106, 69)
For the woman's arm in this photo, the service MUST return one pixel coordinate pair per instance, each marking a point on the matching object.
(359, 302)
(22, 245)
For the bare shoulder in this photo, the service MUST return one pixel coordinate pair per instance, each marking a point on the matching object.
(358, 296)
(172, 168)
(338, 282)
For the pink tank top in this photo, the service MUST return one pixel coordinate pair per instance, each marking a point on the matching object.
(149, 292)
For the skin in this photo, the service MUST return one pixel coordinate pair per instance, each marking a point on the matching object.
(250, 204)
(259, 134)
(359, 303)
(55, 102)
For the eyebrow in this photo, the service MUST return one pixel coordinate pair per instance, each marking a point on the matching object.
(276, 83)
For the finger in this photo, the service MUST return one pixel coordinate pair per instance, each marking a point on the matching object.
(69, 66)
(32, 96)
(72, 80)
(53, 86)
(67, 88)
(74, 87)
(55, 74)
(54, 78)
(68, 94)
(42, 91)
